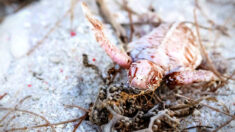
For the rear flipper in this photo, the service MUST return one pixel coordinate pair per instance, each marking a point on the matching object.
(118, 56)
(190, 77)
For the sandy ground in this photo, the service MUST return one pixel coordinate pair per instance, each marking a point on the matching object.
(53, 75)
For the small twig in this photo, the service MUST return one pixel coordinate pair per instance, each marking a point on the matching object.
(126, 8)
(211, 66)
(120, 31)
(16, 106)
(40, 42)
(83, 109)
(225, 81)
(45, 125)
(203, 13)
(132, 29)
(72, 6)
(81, 118)
(231, 58)
(139, 23)
(2, 96)
(198, 126)
(80, 121)
(11, 119)
(226, 123)
(215, 109)
(220, 28)
(29, 112)
(200, 26)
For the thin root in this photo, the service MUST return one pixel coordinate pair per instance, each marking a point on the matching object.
(80, 121)
(211, 66)
(29, 112)
(132, 29)
(83, 109)
(212, 108)
(2, 96)
(226, 123)
(45, 125)
(40, 42)
(16, 106)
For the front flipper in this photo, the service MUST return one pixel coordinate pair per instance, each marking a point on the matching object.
(118, 56)
(189, 77)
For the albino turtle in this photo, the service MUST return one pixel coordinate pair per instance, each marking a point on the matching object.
(169, 50)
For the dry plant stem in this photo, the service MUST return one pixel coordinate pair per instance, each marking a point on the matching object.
(54, 124)
(120, 31)
(212, 28)
(72, 6)
(16, 106)
(198, 126)
(200, 26)
(225, 81)
(140, 23)
(45, 125)
(40, 42)
(218, 35)
(226, 123)
(215, 109)
(205, 54)
(8, 122)
(231, 58)
(29, 112)
(125, 7)
(110, 18)
(132, 30)
(80, 121)
(81, 118)
(213, 24)
(203, 13)
(2, 96)
(83, 109)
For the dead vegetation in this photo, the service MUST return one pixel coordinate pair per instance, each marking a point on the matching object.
(122, 108)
